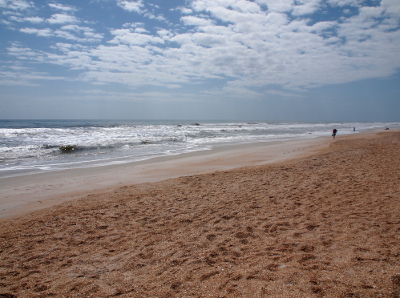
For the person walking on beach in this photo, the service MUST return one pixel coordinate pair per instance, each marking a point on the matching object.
(334, 132)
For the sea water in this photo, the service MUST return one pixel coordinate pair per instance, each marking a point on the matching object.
(33, 146)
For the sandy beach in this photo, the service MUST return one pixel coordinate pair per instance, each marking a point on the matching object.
(309, 218)
(23, 194)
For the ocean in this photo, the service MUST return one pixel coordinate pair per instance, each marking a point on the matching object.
(35, 146)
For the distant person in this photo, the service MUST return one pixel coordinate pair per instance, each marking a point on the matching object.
(354, 129)
(334, 132)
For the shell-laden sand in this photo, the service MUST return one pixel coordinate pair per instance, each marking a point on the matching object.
(323, 226)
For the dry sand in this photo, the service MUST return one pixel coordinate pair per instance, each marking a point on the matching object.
(327, 225)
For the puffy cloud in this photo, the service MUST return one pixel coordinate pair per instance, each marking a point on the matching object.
(321, 27)
(392, 7)
(165, 34)
(344, 2)
(196, 21)
(66, 35)
(182, 39)
(278, 6)
(136, 6)
(306, 7)
(208, 40)
(62, 19)
(62, 7)
(84, 34)
(248, 44)
(38, 32)
(243, 6)
(370, 12)
(16, 4)
(185, 10)
(80, 35)
(34, 20)
(126, 36)
(246, 6)
(160, 18)
(89, 33)
(24, 53)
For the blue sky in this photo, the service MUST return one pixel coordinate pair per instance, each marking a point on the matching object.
(291, 60)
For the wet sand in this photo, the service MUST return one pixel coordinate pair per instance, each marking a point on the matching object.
(325, 224)
(23, 194)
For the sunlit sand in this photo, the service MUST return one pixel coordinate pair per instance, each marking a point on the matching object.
(299, 219)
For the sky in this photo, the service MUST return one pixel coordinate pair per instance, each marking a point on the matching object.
(273, 60)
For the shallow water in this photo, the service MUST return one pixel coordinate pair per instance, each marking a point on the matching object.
(33, 146)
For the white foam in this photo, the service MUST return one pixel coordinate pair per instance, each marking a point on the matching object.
(37, 149)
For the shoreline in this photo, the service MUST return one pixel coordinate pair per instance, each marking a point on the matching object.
(20, 195)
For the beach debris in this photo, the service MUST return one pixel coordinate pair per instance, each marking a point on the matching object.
(68, 148)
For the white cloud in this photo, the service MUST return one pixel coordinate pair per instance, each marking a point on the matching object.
(133, 25)
(278, 6)
(120, 32)
(75, 28)
(24, 53)
(306, 7)
(246, 6)
(16, 19)
(141, 30)
(392, 7)
(164, 33)
(320, 27)
(38, 32)
(152, 16)
(344, 2)
(24, 77)
(34, 20)
(66, 47)
(16, 4)
(205, 39)
(126, 36)
(62, 19)
(237, 42)
(195, 21)
(185, 10)
(5, 22)
(66, 35)
(182, 39)
(136, 6)
(84, 34)
(89, 35)
(243, 6)
(62, 7)
(233, 16)
(370, 12)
